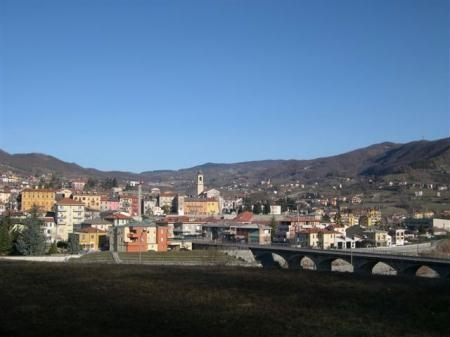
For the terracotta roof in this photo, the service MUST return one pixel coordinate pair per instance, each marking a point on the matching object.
(180, 218)
(91, 230)
(117, 216)
(68, 201)
(39, 190)
(244, 217)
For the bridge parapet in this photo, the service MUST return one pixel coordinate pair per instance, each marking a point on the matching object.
(362, 262)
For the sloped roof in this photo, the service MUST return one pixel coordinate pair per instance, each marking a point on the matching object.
(91, 230)
(244, 217)
(69, 202)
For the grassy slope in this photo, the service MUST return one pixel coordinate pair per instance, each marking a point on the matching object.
(132, 300)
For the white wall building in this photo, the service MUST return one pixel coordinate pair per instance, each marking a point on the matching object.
(68, 213)
(442, 223)
(275, 209)
(49, 230)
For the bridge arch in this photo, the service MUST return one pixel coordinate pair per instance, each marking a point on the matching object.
(301, 261)
(421, 271)
(363, 266)
(270, 260)
(342, 265)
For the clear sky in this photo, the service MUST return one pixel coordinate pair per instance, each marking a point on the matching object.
(144, 85)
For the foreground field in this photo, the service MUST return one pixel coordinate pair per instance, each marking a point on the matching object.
(133, 300)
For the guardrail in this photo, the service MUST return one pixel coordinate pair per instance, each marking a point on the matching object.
(414, 250)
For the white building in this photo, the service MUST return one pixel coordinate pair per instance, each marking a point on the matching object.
(442, 223)
(398, 236)
(275, 209)
(68, 213)
(49, 230)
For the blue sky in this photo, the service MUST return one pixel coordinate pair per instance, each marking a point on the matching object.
(144, 85)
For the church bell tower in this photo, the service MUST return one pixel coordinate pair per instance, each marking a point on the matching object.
(200, 186)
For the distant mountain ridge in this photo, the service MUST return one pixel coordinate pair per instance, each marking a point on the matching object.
(431, 157)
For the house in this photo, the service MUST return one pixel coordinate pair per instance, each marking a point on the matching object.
(442, 223)
(118, 219)
(216, 231)
(317, 238)
(157, 238)
(78, 185)
(97, 223)
(129, 203)
(378, 238)
(398, 236)
(69, 213)
(167, 199)
(201, 206)
(275, 209)
(90, 238)
(44, 199)
(289, 226)
(373, 217)
(187, 229)
(108, 204)
(252, 233)
(343, 242)
(49, 230)
(138, 237)
(5, 196)
(91, 200)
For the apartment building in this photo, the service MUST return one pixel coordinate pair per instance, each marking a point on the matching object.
(43, 199)
(90, 200)
(69, 213)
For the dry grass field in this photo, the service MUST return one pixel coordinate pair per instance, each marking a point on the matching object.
(50, 299)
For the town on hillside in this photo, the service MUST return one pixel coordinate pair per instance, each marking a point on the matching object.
(85, 216)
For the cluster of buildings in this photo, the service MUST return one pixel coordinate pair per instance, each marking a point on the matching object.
(133, 221)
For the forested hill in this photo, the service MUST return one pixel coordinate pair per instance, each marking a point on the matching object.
(428, 159)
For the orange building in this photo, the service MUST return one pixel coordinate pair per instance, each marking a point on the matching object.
(44, 199)
(139, 238)
(161, 238)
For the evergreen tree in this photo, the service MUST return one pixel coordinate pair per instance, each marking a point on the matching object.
(273, 225)
(30, 240)
(257, 209)
(73, 245)
(5, 238)
(266, 208)
(247, 204)
(53, 249)
(90, 184)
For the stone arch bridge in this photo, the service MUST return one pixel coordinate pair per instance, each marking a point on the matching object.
(362, 262)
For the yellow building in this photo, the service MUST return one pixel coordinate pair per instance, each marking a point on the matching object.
(317, 238)
(91, 238)
(373, 217)
(90, 200)
(201, 207)
(378, 238)
(44, 199)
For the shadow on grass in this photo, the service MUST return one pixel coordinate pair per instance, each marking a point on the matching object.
(134, 300)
